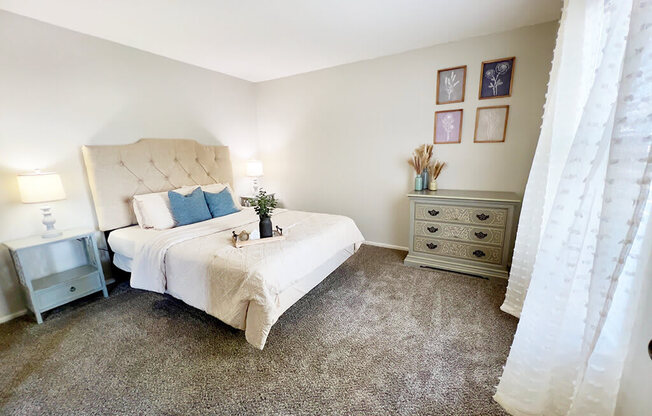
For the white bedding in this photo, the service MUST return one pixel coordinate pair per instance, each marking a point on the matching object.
(247, 288)
(123, 241)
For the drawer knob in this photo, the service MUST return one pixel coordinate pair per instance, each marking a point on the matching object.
(433, 212)
(431, 246)
(479, 253)
(433, 229)
(482, 217)
(480, 235)
(73, 288)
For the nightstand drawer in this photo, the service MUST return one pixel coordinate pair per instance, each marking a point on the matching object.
(460, 232)
(485, 254)
(493, 217)
(65, 292)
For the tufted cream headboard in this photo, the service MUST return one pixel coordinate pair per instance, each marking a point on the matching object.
(117, 173)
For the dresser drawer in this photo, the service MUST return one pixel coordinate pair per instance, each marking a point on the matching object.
(460, 232)
(65, 292)
(494, 217)
(468, 251)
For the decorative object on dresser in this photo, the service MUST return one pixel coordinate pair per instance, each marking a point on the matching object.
(464, 231)
(255, 171)
(264, 204)
(435, 169)
(451, 84)
(496, 78)
(418, 182)
(491, 124)
(448, 126)
(420, 160)
(42, 187)
(47, 292)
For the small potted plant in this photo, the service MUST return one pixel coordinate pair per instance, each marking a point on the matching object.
(264, 205)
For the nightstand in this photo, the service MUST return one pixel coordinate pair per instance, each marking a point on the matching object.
(245, 201)
(47, 292)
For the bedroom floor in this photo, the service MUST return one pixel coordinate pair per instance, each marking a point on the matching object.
(375, 337)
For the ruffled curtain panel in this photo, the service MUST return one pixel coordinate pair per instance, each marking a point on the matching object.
(576, 273)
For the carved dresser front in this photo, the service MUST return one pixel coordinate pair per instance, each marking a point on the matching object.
(463, 231)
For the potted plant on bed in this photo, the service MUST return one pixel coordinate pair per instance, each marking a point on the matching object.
(264, 205)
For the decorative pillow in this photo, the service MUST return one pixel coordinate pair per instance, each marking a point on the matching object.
(189, 209)
(221, 203)
(218, 187)
(153, 210)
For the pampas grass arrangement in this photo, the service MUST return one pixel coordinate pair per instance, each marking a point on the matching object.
(434, 169)
(421, 158)
(415, 162)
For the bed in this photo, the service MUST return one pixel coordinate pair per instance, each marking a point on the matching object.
(248, 288)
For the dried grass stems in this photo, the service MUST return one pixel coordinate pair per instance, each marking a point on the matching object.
(421, 158)
(434, 169)
(415, 162)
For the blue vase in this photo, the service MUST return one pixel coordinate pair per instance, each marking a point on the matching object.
(425, 179)
(418, 183)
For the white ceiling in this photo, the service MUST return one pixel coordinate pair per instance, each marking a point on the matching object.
(258, 40)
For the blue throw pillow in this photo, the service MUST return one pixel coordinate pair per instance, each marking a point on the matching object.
(221, 203)
(189, 209)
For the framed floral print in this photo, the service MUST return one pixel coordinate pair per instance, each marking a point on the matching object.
(448, 126)
(451, 84)
(496, 78)
(491, 124)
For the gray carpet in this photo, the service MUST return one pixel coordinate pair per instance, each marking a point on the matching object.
(375, 337)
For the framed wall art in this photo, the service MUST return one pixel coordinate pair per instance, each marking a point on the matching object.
(496, 78)
(451, 84)
(491, 124)
(448, 126)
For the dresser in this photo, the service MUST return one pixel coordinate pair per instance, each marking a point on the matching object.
(463, 231)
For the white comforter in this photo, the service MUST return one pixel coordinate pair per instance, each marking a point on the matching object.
(199, 264)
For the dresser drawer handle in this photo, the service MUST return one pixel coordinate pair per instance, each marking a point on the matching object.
(480, 235)
(479, 253)
(433, 229)
(431, 246)
(482, 217)
(433, 212)
(73, 288)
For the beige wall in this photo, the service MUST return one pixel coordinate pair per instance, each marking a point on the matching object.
(337, 140)
(60, 90)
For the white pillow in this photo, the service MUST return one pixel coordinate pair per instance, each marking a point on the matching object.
(153, 210)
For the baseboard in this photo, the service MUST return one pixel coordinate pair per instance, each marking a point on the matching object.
(11, 316)
(383, 245)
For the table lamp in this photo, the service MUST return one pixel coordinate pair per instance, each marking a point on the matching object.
(255, 170)
(40, 187)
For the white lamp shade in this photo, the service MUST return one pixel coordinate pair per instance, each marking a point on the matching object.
(254, 168)
(40, 187)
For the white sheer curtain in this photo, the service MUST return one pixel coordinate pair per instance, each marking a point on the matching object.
(574, 279)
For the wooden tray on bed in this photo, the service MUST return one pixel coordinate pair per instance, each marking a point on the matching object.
(254, 238)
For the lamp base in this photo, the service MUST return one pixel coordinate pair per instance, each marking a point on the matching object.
(255, 185)
(53, 234)
(48, 221)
